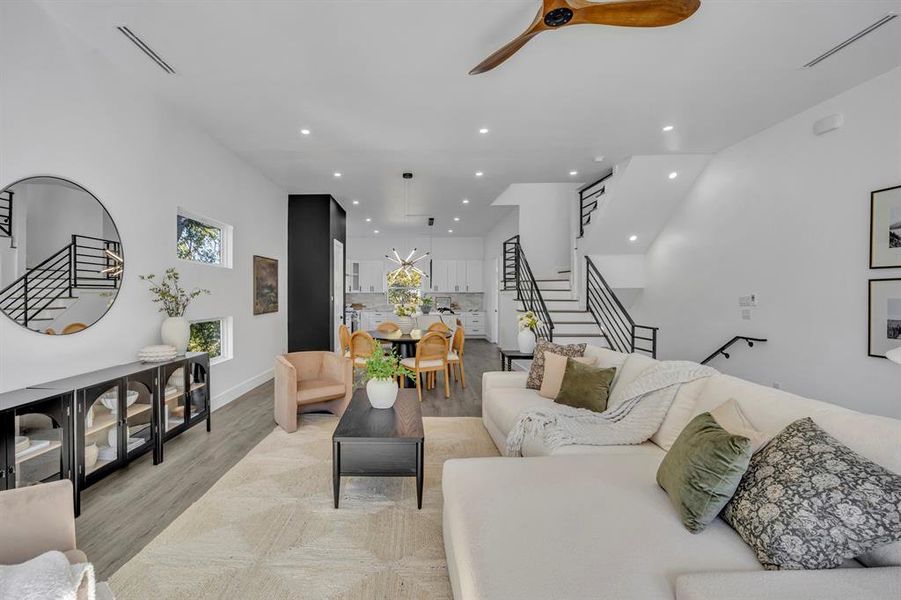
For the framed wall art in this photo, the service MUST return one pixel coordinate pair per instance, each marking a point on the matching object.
(885, 228)
(265, 285)
(884, 316)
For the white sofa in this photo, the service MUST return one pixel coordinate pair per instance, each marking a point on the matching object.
(591, 521)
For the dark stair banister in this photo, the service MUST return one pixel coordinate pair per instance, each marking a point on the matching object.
(518, 276)
(615, 322)
(589, 196)
(6, 214)
(85, 262)
(722, 349)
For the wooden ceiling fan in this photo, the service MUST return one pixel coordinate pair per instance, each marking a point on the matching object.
(555, 14)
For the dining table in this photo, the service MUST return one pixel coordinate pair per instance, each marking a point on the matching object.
(405, 343)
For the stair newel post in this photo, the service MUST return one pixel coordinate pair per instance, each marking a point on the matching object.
(73, 269)
(25, 298)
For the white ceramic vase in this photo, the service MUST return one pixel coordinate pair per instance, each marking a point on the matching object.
(525, 339)
(175, 332)
(406, 324)
(381, 392)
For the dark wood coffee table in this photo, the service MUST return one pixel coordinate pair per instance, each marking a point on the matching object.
(378, 442)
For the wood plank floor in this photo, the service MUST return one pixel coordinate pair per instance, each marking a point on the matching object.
(124, 511)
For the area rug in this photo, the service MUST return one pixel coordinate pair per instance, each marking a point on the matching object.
(268, 530)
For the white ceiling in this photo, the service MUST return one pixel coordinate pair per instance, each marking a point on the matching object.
(383, 86)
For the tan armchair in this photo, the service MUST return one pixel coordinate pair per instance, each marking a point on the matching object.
(311, 381)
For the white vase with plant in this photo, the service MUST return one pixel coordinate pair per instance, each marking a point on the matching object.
(173, 301)
(382, 370)
(525, 339)
(405, 313)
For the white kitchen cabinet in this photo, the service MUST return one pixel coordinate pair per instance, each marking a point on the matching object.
(441, 270)
(372, 276)
(473, 281)
(474, 323)
(352, 276)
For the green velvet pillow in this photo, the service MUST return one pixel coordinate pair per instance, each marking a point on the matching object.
(584, 386)
(702, 470)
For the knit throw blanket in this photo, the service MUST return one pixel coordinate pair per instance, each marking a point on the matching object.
(634, 412)
(47, 577)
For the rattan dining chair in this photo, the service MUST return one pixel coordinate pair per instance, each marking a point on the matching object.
(344, 340)
(361, 347)
(431, 358)
(455, 356)
(439, 326)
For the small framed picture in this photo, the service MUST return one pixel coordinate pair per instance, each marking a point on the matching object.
(885, 316)
(265, 285)
(885, 228)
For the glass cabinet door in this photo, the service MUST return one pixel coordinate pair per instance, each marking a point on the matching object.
(139, 412)
(40, 443)
(101, 426)
(173, 414)
(199, 391)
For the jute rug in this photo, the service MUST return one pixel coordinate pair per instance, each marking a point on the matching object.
(268, 530)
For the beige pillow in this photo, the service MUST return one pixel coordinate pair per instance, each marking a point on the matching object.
(728, 415)
(554, 367)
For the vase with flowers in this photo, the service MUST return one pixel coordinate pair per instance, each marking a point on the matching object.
(528, 325)
(405, 313)
(173, 300)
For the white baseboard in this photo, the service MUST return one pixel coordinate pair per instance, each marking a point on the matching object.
(223, 398)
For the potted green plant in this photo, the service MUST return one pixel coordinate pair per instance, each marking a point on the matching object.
(382, 370)
(426, 305)
(173, 301)
(528, 324)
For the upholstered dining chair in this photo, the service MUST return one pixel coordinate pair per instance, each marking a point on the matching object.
(361, 347)
(439, 326)
(311, 381)
(344, 340)
(431, 358)
(455, 356)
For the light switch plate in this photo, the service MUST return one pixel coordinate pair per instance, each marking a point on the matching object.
(750, 300)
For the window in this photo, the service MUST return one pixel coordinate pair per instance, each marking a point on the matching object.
(404, 287)
(202, 240)
(212, 336)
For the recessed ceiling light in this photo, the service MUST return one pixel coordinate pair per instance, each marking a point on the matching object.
(375, 231)
(337, 174)
(673, 175)
(450, 230)
(304, 132)
(483, 130)
(668, 127)
(356, 202)
(573, 173)
(465, 200)
(456, 218)
(479, 173)
(633, 238)
(368, 220)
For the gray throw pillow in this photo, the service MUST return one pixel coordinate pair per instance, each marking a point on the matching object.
(536, 372)
(809, 502)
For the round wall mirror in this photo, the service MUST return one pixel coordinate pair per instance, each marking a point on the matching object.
(61, 261)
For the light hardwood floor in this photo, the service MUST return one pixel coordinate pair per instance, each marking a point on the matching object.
(123, 512)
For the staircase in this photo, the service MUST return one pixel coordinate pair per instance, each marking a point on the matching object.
(589, 197)
(6, 214)
(48, 289)
(572, 324)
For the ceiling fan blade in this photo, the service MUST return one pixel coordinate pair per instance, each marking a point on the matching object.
(633, 13)
(510, 48)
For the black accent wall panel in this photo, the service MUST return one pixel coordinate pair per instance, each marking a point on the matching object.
(314, 221)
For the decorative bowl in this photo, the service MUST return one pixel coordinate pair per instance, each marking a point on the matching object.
(22, 442)
(111, 400)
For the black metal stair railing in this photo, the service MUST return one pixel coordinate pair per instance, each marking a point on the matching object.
(6, 213)
(86, 262)
(589, 196)
(722, 349)
(518, 276)
(618, 327)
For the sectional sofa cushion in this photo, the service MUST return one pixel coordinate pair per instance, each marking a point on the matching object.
(554, 368)
(574, 528)
(702, 470)
(536, 371)
(810, 502)
(585, 386)
(728, 415)
(631, 368)
(680, 412)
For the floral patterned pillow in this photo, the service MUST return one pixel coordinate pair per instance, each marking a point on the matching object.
(536, 373)
(809, 502)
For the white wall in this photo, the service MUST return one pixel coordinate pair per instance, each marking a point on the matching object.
(785, 214)
(64, 111)
(493, 252)
(545, 223)
(442, 248)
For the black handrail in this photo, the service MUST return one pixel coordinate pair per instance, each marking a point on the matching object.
(78, 264)
(722, 349)
(6, 213)
(589, 196)
(615, 322)
(518, 275)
